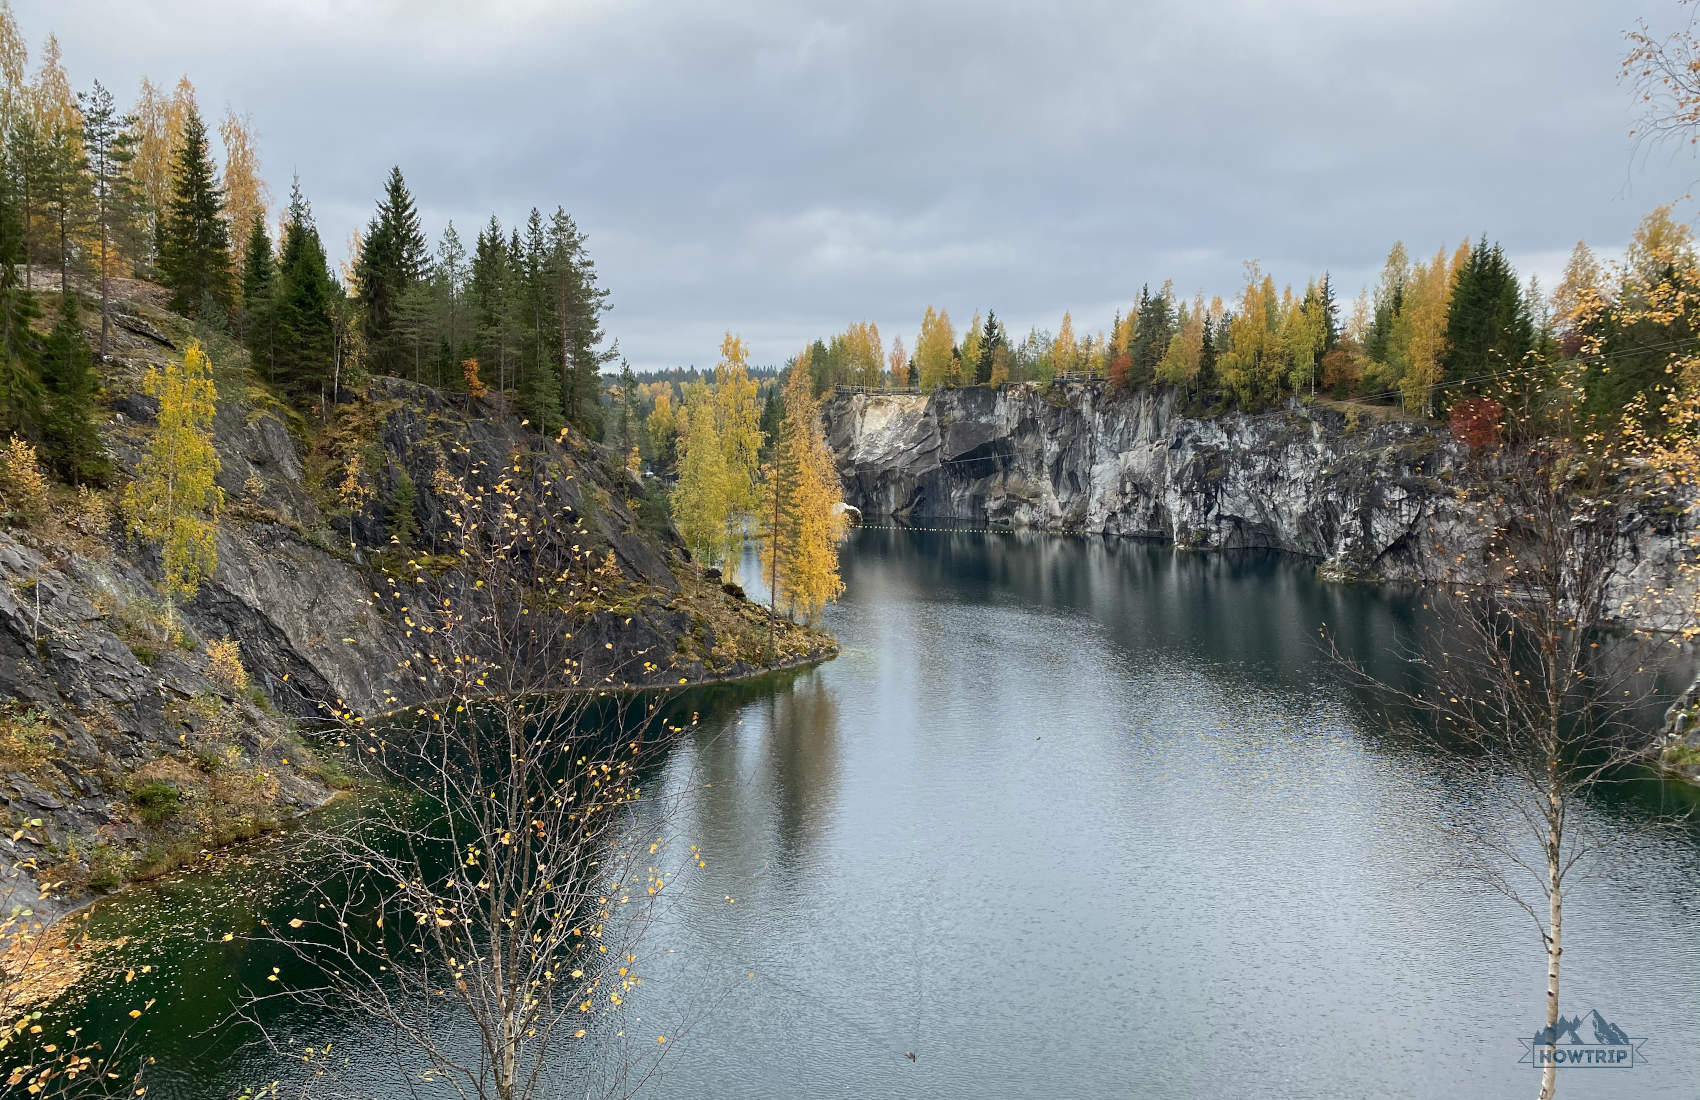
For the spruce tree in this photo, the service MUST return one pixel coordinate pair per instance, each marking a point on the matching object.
(1487, 325)
(259, 284)
(1205, 381)
(1153, 329)
(301, 314)
(1330, 314)
(392, 259)
(72, 444)
(541, 373)
(487, 299)
(579, 303)
(991, 339)
(194, 244)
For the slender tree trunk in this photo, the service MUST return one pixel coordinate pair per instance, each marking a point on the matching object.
(1555, 925)
(773, 569)
(105, 291)
(28, 284)
(64, 240)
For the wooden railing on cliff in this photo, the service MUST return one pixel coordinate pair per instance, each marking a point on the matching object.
(841, 390)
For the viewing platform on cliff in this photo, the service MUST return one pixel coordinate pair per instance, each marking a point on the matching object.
(842, 390)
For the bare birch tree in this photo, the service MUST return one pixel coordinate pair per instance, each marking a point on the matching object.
(1524, 681)
(484, 915)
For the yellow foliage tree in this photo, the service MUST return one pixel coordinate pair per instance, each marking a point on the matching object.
(1065, 353)
(701, 499)
(14, 60)
(159, 132)
(1181, 359)
(175, 498)
(737, 423)
(245, 193)
(970, 353)
(803, 523)
(1581, 293)
(898, 363)
(720, 442)
(1428, 296)
(662, 424)
(860, 354)
(933, 348)
(1251, 363)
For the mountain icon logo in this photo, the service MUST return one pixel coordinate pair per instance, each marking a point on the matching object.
(1583, 1042)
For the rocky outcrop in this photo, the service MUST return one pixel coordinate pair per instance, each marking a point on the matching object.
(124, 745)
(1369, 499)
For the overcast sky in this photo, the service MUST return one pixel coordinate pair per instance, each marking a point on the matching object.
(781, 169)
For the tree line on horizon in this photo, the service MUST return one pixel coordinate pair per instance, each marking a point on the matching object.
(1427, 334)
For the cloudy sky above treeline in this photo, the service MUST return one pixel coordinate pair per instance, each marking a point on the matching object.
(780, 169)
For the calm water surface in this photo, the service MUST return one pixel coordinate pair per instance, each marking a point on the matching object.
(1066, 818)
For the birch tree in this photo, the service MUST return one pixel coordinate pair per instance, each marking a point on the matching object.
(174, 500)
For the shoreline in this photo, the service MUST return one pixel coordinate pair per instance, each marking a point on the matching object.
(42, 924)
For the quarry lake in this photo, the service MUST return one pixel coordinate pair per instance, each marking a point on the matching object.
(1067, 817)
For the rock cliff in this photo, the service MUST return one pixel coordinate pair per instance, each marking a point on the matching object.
(127, 745)
(1368, 497)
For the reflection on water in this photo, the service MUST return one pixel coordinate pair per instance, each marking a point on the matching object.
(1076, 817)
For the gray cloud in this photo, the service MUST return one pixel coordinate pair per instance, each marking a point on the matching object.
(781, 170)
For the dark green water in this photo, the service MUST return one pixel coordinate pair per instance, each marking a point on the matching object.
(1066, 818)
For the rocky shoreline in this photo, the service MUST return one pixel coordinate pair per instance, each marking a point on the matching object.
(127, 746)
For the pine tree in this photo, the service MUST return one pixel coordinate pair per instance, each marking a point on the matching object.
(991, 342)
(259, 285)
(1487, 326)
(22, 402)
(115, 203)
(628, 406)
(72, 445)
(175, 497)
(1154, 328)
(579, 305)
(194, 247)
(487, 298)
(1205, 382)
(541, 375)
(1389, 300)
(392, 259)
(450, 278)
(26, 164)
(1330, 314)
(302, 329)
(61, 184)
